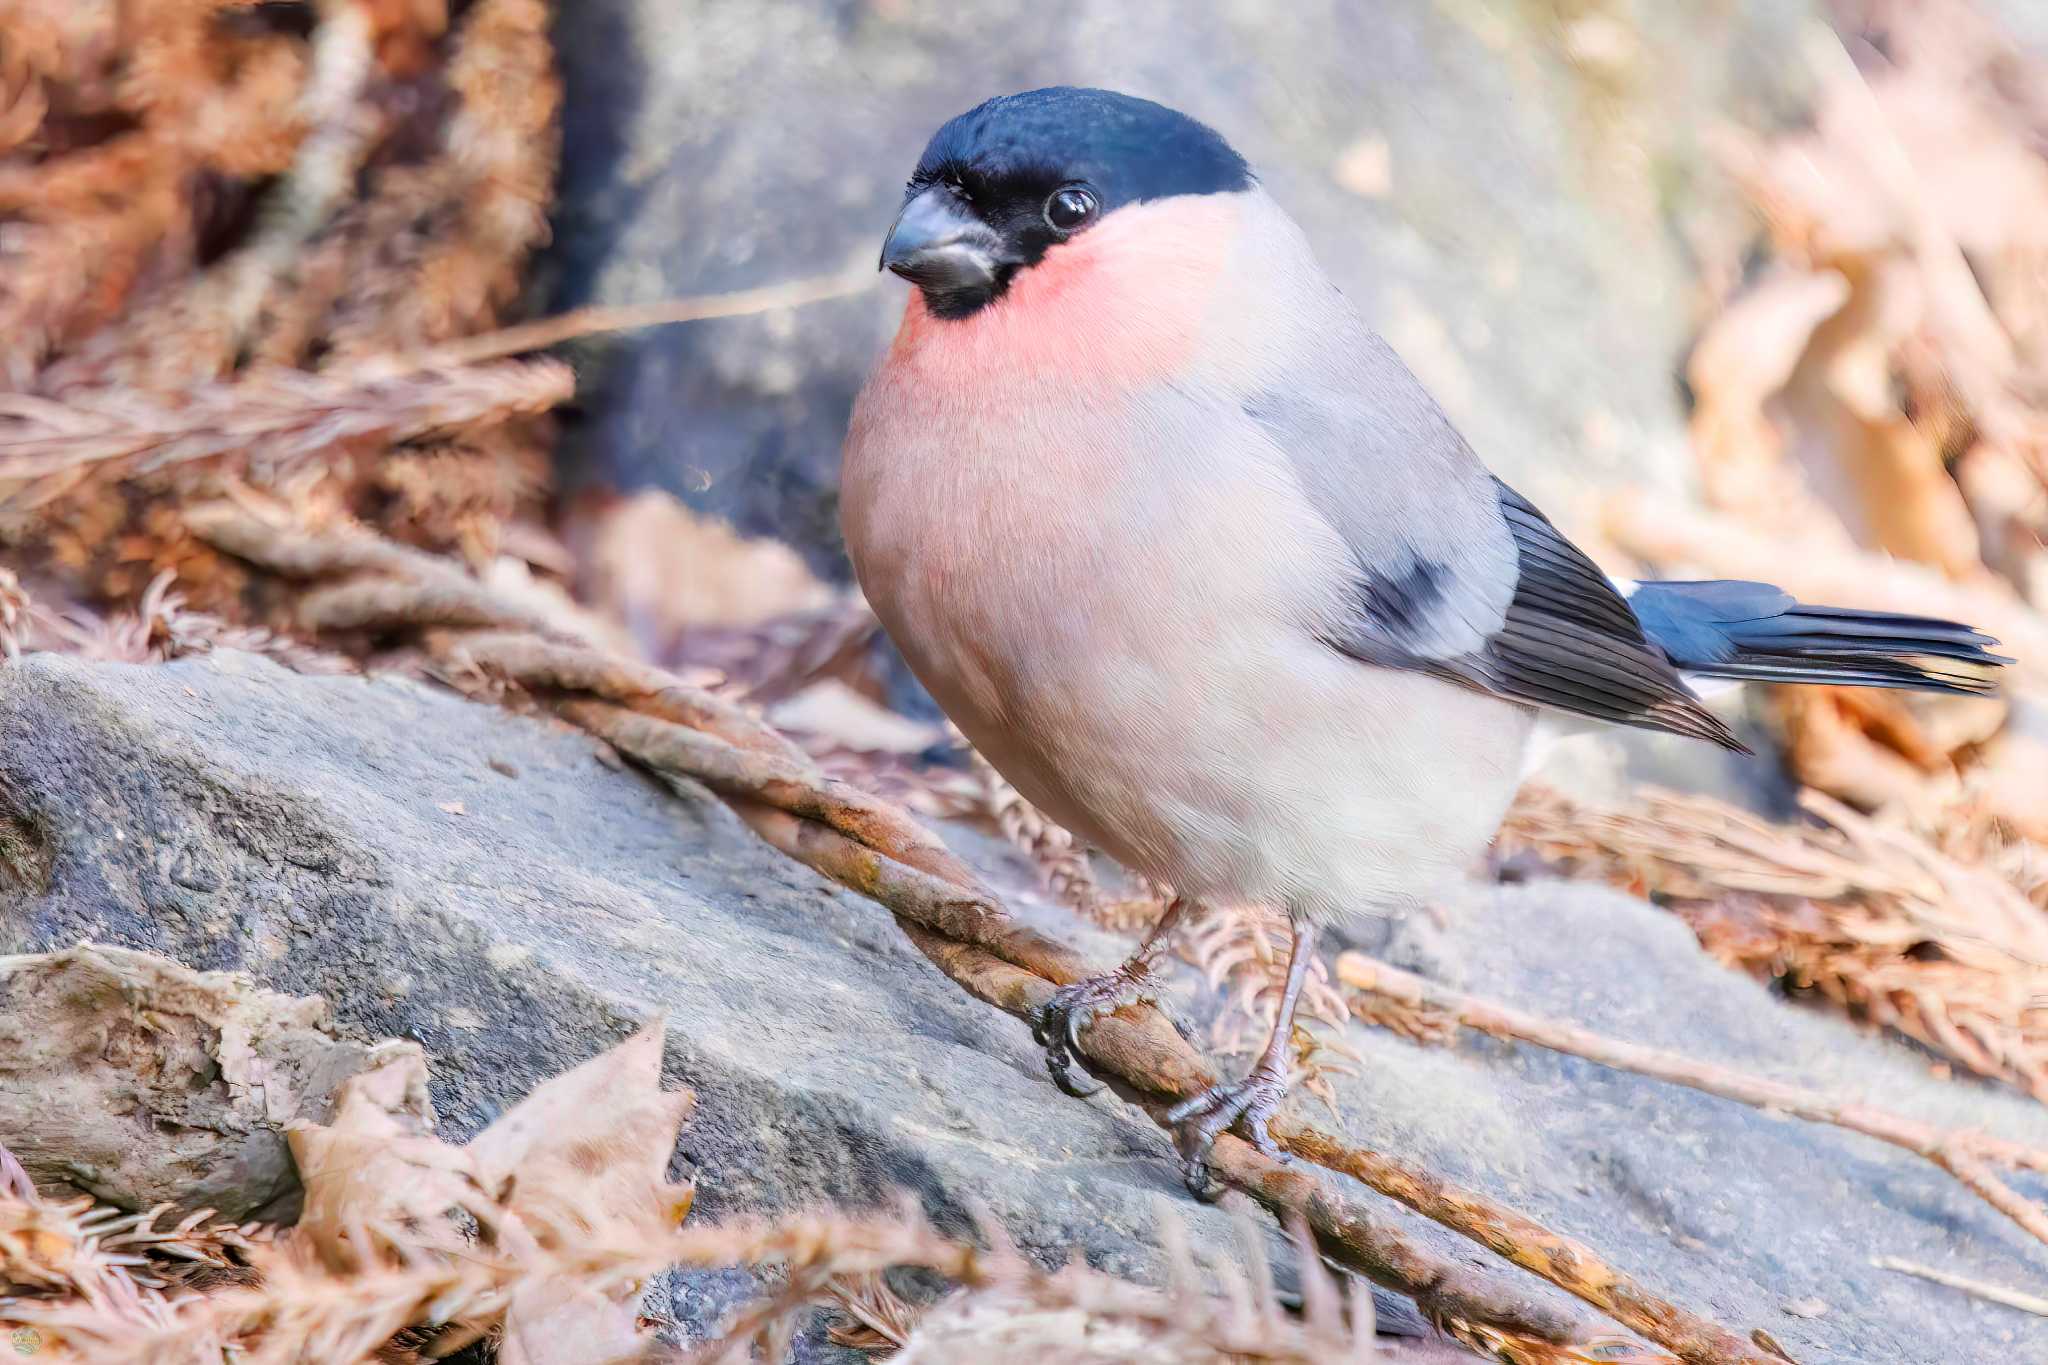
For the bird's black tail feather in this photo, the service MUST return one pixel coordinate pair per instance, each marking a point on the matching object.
(1753, 631)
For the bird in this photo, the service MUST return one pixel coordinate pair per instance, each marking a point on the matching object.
(1182, 547)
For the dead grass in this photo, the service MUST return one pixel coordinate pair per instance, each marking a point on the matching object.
(1875, 918)
(539, 1235)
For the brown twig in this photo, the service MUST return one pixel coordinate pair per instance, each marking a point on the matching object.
(1145, 1050)
(1564, 1261)
(543, 333)
(798, 788)
(1964, 1155)
(877, 850)
(1990, 1293)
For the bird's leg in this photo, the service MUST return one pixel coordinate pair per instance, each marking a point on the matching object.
(1058, 1026)
(1249, 1104)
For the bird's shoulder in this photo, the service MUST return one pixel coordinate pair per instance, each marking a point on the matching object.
(1448, 569)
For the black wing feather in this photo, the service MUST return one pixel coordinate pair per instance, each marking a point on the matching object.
(1570, 642)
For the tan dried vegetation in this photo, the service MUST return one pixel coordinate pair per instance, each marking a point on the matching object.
(538, 1236)
(1871, 428)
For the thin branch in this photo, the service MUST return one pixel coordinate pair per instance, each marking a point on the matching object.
(323, 170)
(543, 333)
(1990, 1293)
(1965, 1155)
(1345, 1230)
(1566, 1262)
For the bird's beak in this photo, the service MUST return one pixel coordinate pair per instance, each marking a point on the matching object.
(941, 247)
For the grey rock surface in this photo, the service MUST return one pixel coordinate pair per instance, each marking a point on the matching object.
(1748, 1211)
(481, 883)
(484, 885)
(1515, 191)
(142, 1082)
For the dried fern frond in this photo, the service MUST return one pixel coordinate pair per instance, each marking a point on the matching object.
(1242, 951)
(1088, 1318)
(196, 1252)
(1877, 919)
(267, 419)
(372, 1282)
(872, 1316)
(60, 1254)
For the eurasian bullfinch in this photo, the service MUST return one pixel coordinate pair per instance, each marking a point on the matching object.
(1186, 551)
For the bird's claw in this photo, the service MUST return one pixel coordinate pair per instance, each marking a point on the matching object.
(1244, 1107)
(1058, 1026)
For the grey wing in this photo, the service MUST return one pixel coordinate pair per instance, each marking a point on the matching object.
(1452, 572)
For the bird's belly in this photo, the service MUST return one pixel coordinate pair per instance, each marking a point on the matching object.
(1131, 641)
(1204, 742)
(1327, 796)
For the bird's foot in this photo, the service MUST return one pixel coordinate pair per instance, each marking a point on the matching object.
(1244, 1107)
(1072, 1008)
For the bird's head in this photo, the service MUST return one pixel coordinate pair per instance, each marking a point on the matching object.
(1015, 185)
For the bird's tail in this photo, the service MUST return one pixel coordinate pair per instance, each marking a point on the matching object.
(1755, 632)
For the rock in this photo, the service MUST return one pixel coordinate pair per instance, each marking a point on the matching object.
(1756, 1220)
(142, 1082)
(1516, 194)
(235, 816)
(572, 902)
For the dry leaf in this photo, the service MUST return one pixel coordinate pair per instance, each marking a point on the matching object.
(560, 1322)
(831, 712)
(1744, 357)
(364, 1173)
(591, 1148)
(664, 569)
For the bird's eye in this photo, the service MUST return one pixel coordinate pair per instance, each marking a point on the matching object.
(1068, 207)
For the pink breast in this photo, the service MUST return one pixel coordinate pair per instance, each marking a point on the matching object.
(1118, 308)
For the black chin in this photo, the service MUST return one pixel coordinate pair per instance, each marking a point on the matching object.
(953, 304)
(955, 300)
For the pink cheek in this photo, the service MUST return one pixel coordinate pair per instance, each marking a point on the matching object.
(1112, 311)
(1061, 274)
